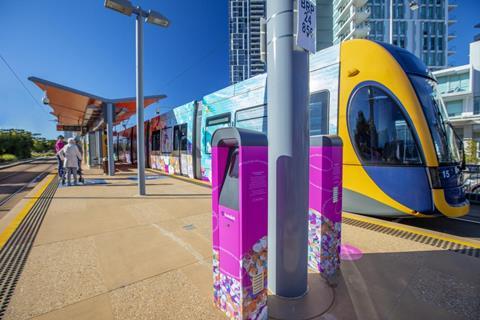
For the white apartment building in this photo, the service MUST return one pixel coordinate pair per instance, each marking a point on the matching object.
(420, 26)
(460, 90)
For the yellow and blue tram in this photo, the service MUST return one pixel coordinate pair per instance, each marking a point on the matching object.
(401, 156)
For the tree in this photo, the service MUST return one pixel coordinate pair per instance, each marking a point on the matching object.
(42, 145)
(471, 150)
(20, 143)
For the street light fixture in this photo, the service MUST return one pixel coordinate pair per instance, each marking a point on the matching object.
(125, 7)
(157, 19)
(122, 6)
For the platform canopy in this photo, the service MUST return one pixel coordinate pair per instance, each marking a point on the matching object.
(77, 109)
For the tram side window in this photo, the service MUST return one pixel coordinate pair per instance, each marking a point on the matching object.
(252, 118)
(379, 130)
(319, 113)
(156, 140)
(180, 137)
(166, 140)
(213, 123)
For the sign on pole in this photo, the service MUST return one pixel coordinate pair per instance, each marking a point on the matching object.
(307, 25)
(61, 127)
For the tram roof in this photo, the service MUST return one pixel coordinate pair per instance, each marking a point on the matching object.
(73, 107)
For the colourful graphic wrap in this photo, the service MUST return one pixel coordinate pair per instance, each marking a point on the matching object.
(169, 151)
(229, 104)
(244, 104)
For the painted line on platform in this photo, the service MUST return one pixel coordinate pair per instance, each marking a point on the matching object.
(475, 245)
(186, 179)
(10, 229)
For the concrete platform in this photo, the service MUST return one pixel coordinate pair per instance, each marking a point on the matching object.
(105, 253)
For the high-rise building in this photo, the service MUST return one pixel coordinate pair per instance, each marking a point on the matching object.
(420, 26)
(459, 88)
(350, 20)
(324, 24)
(244, 28)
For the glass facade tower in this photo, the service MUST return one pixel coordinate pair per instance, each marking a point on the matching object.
(244, 29)
(423, 30)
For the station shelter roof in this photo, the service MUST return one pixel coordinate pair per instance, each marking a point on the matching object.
(75, 108)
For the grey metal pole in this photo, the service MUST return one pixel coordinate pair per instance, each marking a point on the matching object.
(111, 161)
(390, 31)
(140, 117)
(288, 96)
(98, 137)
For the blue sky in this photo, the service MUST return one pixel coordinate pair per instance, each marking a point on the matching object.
(83, 45)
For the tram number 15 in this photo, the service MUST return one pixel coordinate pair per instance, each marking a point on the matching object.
(445, 174)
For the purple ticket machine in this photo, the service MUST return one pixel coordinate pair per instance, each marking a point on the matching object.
(240, 222)
(325, 205)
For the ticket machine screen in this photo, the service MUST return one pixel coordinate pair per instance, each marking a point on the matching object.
(229, 188)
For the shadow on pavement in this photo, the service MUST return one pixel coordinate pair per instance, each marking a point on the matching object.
(408, 285)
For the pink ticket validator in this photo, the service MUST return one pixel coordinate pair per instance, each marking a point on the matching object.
(240, 222)
(325, 205)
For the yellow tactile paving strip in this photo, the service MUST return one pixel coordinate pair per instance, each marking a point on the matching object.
(10, 229)
(434, 235)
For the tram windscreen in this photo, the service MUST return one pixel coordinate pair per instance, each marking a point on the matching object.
(380, 130)
(436, 114)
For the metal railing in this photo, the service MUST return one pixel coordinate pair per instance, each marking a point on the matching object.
(471, 178)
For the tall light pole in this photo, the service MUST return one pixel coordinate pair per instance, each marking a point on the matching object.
(288, 145)
(125, 7)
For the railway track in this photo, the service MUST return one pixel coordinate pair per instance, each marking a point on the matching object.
(17, 180)
(12, 174)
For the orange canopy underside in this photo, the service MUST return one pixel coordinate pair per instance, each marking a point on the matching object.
(131, 106)
(76, 108)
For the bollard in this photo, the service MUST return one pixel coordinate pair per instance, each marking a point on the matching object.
(239, 222)
(325, 205)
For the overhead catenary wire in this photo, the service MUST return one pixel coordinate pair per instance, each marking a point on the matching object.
(191, 66)
(21, 82)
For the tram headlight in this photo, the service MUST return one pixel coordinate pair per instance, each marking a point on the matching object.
(435, 178)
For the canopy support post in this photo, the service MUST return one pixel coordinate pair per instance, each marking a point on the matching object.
(111, 160)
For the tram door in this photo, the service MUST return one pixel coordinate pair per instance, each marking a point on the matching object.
(181, 148)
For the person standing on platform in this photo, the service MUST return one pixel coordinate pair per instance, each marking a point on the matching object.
(58, 147)
(71, 157)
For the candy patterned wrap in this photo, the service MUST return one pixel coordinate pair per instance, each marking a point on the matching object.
(230, 297)
(325, 214)
(324, 241)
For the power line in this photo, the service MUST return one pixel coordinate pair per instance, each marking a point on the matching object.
(191, 66)
(21, 82)
(183, 72)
